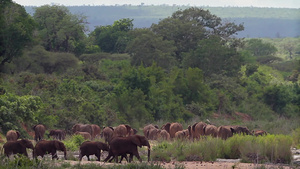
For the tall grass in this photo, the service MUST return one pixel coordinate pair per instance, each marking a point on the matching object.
(270, 148)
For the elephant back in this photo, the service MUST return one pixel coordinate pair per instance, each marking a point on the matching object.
(12, 135)
(122, 130)
(224, 132)
(198, 129)
(210, 130)
(96, 131)
(175, 127)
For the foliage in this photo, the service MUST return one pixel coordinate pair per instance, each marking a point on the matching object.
(147, 48)
(200, 23)
(73, 143)
(113, 38)
(259, 48)
(18, 110)
(59, 30)
(16, 31)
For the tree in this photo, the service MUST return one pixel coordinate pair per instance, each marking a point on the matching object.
(187, 27)
(146, 48)
(16, 31)
(113, 38)
(59, 30)
(214, 57)
(259, 48)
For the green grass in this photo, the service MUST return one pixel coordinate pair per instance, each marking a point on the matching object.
(270, 148)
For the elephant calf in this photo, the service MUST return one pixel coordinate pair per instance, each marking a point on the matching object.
(17, 147)
(46, 147)
(88, 148)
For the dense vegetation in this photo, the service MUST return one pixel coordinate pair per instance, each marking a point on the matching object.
(258, 22)
(55, 74)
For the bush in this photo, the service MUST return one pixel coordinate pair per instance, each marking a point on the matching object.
(74, 142)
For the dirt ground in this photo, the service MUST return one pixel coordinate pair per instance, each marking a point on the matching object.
(197, 165)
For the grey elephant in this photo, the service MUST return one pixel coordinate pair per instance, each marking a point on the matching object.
(49, 147)
(120, 146)
(88, 148)
(17, 147)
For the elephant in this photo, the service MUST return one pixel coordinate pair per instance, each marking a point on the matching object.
(153, 133)
(122, 130)
(17, 147)
(88, 148)
(259, 132)
(240, 130)
(119, 146)
(147, 128)
(12, 135)
(164, 135)
(183, 134)
(49, 146)
(197, 130)
(211, 130)
(108, 133)
(172, 128)
(224, 132)
(57, 134)
(132, 131)
(96, 131)
(83, 128)
(85, 135)
(39, 131)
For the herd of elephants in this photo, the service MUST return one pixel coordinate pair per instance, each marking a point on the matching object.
(119, 141)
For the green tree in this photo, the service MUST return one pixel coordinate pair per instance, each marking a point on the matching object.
(259, 48)
(59, 30)
(16, 110)
(187, 27)
(113, 38)
(214, 57)
(16, 31)
(146, 48)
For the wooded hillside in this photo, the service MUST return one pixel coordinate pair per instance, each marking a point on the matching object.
(54, 73)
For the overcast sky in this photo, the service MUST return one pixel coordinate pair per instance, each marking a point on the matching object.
(222, 3)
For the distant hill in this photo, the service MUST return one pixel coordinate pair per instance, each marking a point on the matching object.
(258, 22)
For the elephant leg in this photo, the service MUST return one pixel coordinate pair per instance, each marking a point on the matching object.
(137, 156)
(98, 154)
(54, 155)
(88, 157)
(116, 158)
(80, 157)
(130, 158)
(108, 157)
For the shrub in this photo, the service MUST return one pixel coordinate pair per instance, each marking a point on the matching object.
(74, 142)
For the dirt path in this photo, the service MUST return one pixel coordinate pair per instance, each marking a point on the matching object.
(195, 165)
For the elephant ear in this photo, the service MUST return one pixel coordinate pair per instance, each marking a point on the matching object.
(193, 127)
(128, 128)
(112, 128)
(33, 128)
(167, 127)
(232, 130)
(136, 140)
(204, 129)
(18, 134)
